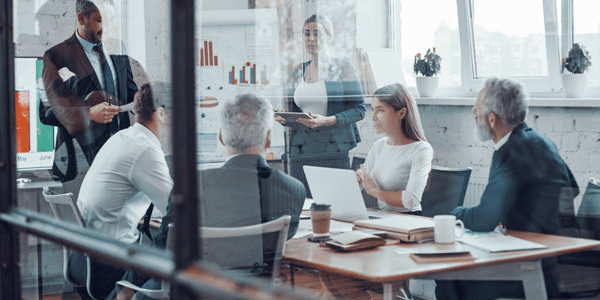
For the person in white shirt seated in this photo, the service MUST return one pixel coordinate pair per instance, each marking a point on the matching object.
(127, 175)
(398, 165)
(395, 172)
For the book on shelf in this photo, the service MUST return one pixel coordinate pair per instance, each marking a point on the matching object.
(355, 240)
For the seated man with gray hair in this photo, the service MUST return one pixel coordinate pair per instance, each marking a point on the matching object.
(527, 179)
(245, 184)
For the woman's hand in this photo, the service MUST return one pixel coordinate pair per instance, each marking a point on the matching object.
(279, 119)
(318, 120)
(367, 182)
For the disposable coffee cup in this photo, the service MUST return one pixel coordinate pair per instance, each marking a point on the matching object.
(320, 215)
(445, 228)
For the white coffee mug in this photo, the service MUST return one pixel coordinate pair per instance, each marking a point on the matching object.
(445, 228)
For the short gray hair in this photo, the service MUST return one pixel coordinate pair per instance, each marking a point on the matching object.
(245, 121)
(506, 98)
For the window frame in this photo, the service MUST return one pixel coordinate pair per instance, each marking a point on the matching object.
(471, 82)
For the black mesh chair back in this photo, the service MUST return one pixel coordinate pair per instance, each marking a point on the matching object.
(588, 214)
(370, 201)
(446, 190)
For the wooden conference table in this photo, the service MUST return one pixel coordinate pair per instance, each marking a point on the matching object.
(386, 265)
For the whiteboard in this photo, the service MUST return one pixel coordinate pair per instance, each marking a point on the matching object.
(242, 46)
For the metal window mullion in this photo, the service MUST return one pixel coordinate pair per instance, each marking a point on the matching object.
(185, 190)
(152, 261)
(567, 27)
(10, 279)
(552, 45)
(467, 49)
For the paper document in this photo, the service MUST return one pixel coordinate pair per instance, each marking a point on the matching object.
(127, 107)
(495, 242)
(305, 227)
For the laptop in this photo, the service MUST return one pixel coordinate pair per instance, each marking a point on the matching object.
(339, 188)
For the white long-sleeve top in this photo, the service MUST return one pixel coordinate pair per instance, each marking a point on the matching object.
(128, 173)
(400, 168)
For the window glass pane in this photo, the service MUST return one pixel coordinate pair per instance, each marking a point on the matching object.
(509, 38)
(110, 166)
(428, 24)
(586, 27)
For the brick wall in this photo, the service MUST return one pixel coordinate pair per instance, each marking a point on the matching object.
(449, 129)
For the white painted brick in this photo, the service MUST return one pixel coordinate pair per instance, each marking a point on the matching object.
(563, 125)
(570, 142)
(594, 164)
(577, 162)
(440, 155)
(544, 124)
(478, 155)
(590, 142)
(53, 9)
(588, 124)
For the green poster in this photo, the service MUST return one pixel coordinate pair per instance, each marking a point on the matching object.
(45, 133)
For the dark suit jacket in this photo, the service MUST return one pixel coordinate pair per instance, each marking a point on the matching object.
(344, 100)
(68, 110)
(280, 195)
(527, 180)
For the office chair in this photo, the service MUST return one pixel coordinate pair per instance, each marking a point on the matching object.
(64, 208)
(280, 226)
(587, 225)
(446, 190)
(370, 201)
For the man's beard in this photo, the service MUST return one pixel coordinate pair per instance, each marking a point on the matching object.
(92, 36)
(483, 133)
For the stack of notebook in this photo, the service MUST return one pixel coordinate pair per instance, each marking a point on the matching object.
(406, 228)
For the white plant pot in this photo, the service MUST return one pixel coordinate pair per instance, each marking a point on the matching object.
(427, 86)
(573, 85)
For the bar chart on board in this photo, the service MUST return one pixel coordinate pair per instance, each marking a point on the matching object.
(208, 52)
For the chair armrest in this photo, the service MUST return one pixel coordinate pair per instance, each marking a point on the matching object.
(155, 294)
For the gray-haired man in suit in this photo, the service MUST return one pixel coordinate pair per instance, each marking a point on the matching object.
(246, 123)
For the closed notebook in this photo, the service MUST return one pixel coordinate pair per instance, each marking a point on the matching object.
(405, 228)
(355, 240)
(442, 253)
(403, 224)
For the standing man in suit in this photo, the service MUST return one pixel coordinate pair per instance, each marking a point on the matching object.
(86, 106)
(246, 123)
(527, 180)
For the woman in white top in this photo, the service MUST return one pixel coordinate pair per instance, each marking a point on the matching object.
(395, 172)
(398, 165)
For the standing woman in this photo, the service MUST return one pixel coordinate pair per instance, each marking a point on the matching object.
(328, 89)
(398, 165)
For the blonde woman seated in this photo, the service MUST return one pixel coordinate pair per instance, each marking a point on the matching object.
(395, 171)
(398, 165)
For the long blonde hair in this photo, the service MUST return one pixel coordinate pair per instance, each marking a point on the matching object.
(399, 97)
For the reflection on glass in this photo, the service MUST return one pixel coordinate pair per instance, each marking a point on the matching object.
(428, 24)
(586, 27)
(509, 38)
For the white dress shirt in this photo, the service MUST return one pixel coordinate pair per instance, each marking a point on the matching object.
(502, 141)
(312, 97)
(94, 58)
(128, 174)
(400, 168)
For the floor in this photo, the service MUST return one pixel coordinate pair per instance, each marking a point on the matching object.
(573, 278)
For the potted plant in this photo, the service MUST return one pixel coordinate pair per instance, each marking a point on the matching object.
(577, 62)
(428, 66)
